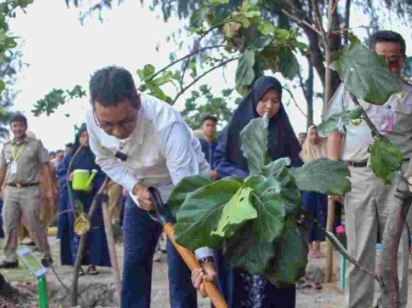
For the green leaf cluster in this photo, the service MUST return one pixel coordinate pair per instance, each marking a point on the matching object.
(253, 220)
(152, 82)
(56, 98)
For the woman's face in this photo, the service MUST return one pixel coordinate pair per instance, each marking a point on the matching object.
(269, 103)
(84, 139)
(313, 136)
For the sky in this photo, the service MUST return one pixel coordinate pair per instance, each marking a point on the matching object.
(61, 53)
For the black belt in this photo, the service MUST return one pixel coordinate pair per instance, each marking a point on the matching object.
(363, 164)
(20, 185)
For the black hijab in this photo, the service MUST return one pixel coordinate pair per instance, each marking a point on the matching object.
(282, 141)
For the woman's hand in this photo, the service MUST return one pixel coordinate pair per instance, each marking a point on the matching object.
(206, 273)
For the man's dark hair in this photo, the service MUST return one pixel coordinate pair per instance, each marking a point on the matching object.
(18, 118)
(387, 36)
(69, 145)
(111, 85)
(59, 151)
(209, 117)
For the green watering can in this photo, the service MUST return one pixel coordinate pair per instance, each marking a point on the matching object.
(82, 179)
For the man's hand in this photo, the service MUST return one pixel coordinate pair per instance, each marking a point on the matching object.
(144, 197)
(214, 174)
(71, 177)
(206, 273)
(337, 198)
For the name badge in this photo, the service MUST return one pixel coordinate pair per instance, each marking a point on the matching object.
(13, 168)
(387, 120)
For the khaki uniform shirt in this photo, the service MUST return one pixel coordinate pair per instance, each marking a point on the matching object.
(393, 119)
(30, 157)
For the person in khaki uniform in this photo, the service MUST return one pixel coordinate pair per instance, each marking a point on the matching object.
(369, 203)
(23, 158)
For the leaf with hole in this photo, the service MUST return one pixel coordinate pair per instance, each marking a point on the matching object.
(235, 213)
(365, 74)
(200, 213)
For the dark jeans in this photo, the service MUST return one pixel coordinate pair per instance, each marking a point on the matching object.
(140, 234)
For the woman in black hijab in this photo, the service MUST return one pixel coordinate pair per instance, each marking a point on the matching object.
(239, 288)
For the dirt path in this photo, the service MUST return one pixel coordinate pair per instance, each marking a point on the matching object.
(99, 290)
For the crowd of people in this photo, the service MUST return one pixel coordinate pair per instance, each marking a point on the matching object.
(139, 141)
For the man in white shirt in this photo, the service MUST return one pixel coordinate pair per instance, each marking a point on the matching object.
(140, 141)
(369, 203)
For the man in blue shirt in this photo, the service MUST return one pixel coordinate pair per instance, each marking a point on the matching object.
(209, 143)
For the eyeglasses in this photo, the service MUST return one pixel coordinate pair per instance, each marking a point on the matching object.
(126, 124)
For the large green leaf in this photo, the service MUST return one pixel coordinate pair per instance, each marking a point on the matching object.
(200, 213)
(245, 74)
(235, 213)
(385, 158)
(290, 260)
(365, 75)
(183, 188)
(269, 224)
(254, 139)
(289, 65)
(324, 176)
(247, 251)
(339, 121)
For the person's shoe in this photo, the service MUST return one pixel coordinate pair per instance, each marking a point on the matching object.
(318, 254)
(31, 243)
(9, 265)
(46, 261)
(311, 254)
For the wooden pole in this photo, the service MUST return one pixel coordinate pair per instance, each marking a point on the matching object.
(112, 249)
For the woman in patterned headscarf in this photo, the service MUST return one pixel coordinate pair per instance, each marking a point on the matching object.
(315, 204)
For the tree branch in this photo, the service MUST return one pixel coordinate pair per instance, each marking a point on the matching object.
(294, 101)
(334, 4)
(82, 244)
(200, 77)
(183, 58)
(332, 238)
(301, 21)
(318, 19)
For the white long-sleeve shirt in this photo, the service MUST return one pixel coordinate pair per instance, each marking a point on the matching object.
(161, 151)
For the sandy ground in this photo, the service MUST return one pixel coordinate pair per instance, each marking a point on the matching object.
(328, 297)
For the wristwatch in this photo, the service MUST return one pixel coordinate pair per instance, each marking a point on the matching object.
(209, 259)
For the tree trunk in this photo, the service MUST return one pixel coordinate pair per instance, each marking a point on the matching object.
(309, 94)
(388, 265)
(346, 22)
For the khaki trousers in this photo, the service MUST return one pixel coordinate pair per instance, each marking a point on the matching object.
(367, 206)
(23, 204)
